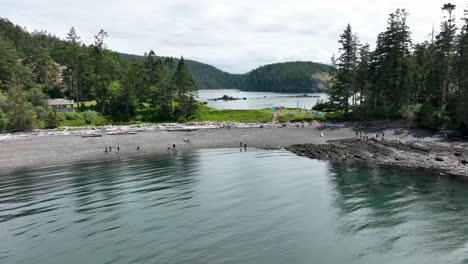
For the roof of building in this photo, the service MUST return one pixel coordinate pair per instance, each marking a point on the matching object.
(60, 101)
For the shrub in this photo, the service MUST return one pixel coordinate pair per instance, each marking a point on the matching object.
(92, 117)
(72, 119)
(181, 119)
(432, 118)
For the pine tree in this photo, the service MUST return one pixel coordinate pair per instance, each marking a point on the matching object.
(389, 66)
(343, 85)
(73, 50)
(362, 75)
(445, 44)
(186, 89)
(462, 73)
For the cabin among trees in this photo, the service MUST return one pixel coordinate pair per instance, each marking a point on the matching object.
(61, 104)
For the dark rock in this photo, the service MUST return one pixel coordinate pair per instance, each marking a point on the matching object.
(439, 158)
(226, 98)
(419, 146)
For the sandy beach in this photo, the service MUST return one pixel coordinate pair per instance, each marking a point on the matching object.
(55, 149)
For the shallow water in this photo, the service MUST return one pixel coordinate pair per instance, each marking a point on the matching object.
(227, 206)
(258, 100)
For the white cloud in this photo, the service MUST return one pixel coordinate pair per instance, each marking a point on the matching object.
(235, 36)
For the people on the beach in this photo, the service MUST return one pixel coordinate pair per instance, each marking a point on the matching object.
(240, 144)
(138, 148)
(118, 149)
(245, 146)
(110, 149)
(106, 149)
(321, 134)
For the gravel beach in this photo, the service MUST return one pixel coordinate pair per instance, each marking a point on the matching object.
(55, 149)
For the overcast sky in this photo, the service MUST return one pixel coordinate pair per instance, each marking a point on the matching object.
(233, 35)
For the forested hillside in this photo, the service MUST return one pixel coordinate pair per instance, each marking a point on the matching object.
(36, 66)
(299, 76)
(426, 81)
(292, 77)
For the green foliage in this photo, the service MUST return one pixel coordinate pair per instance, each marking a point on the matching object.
(297, 76)
(325, 107)
(53, 119)
(71, 119)
(51, 91)
(186, 90)
(3, 121)
(86, 118)
(93, 118)
(181, 119)
(431, 117)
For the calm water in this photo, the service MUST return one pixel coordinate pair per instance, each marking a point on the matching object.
(225, 206)
(258, 100)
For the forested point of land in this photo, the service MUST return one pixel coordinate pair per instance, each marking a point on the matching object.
(284, 77)
(426, 82)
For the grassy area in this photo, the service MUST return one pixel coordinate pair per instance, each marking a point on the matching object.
(257, 115)
(205, 113)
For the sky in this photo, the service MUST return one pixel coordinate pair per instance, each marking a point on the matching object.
(235, 35)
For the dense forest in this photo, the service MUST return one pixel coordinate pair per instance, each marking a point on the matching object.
(286, 77)
(36, 66)
(292, 77)
(427, 81)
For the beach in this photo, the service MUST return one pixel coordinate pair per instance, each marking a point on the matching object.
(35, 150)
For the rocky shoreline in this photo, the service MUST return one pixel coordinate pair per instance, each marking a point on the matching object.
(443, 158)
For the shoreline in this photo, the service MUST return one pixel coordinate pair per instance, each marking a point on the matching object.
(54, 149)
(436, 157)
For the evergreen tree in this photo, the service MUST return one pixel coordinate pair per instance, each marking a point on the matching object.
(73, 70)
(343, 86)
(186, 89)
(462, 73)
(389, 66)
(445, 45)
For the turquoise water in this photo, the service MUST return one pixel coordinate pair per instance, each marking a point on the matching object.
(227, 206)
(258, 100)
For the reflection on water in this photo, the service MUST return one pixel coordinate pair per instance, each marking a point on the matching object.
(259, 100)
(226, 206)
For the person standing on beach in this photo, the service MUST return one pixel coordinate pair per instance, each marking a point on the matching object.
(138, 148)
(240, 144)
(106, 149)
(245, 146)
(118, 149)
(110, 149)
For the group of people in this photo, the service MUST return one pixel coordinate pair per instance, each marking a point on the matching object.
(173, 149)
(109, 149)
(240, 145)
(365, 136)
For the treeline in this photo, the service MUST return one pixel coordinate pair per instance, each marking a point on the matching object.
(426, 81)
(287, 77)
(36, 66)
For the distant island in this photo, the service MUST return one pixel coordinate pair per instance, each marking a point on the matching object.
(284, 77)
